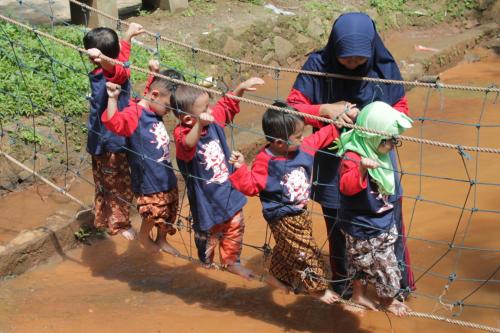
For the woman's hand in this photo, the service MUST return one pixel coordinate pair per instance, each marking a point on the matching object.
(342, 111)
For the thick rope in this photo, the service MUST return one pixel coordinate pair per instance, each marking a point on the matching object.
(191, 259)
(414, 314)
(292, 70)
(458, 147)
(45, 180)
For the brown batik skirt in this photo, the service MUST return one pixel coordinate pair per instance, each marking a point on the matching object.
(296, 259)
(113, 193)
(159, 209)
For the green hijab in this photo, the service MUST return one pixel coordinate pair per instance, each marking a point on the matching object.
(378, 116)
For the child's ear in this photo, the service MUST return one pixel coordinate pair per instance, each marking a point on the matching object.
(187, 119)
(280, 143)
(155, 94)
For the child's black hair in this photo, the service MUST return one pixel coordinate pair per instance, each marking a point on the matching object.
(183, 98)
(164, 84)
(279, 124)
(104, 39)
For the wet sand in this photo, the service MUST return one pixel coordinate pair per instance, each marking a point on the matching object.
(113, 285)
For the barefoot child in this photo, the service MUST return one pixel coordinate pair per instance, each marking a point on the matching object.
(153, 180)
(367, 182)
(109, 160)
(202, 156)
(281, 175)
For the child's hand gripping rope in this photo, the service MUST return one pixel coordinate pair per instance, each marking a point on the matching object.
(237, 159)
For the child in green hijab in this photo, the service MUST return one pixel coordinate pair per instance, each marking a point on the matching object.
(367, 187)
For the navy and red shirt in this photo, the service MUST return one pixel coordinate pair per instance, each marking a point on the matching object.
(147, 148)
(364, 212)
(327, 191)
(284, 183)
(206, 169)
(99, 139)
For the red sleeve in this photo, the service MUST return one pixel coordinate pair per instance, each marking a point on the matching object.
(125, 122)
(251, 182)
(300, 101)
(182, 151)
(120, 74)
(225, 110)
(148, 84)
(350, 176)
(319, 139)
(402, 105)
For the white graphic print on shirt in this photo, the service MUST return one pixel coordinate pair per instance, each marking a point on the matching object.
(297, 185)
(214, 158)
(162, 141)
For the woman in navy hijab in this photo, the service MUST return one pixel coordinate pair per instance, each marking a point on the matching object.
(354, 48)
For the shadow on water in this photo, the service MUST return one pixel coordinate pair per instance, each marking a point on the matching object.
(188, 284)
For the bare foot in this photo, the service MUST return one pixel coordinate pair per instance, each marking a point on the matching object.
(148, 244)
(166, 247)
(241, 271)
(129, 234)
(397, 308)
(274, 282)
(365, 301)
(328, 297)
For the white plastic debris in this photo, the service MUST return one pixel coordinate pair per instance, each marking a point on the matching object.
(277, 10)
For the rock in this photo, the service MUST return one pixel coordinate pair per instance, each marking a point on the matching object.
(315, 28)
(277, 30)
(268, 57)
(282, 48)
(484, 4)
(274, 63)
(266, 44)
(303, 40)
(238, 31)
(232, 46)
(471, 23)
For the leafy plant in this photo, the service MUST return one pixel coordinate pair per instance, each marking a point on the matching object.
(83, 234)
(456, 8)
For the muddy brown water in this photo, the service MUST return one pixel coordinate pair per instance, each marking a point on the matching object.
(114, 286)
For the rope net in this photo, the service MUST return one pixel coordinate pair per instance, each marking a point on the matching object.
(450, 189)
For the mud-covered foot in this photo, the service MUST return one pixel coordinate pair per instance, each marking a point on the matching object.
(167, 248)
(129, 234)
(241, 271)
(148, 244)
(328, 297)
(397, 308)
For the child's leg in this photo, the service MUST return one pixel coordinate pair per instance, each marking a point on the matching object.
(359, 259)
(118, 194)
(231, 243)
(161, 239)
(165, 224)
(144, 235)
(205, 245)
(296, 259)
(150, 208)
(100, 221)
(359, 295)
(387, 274)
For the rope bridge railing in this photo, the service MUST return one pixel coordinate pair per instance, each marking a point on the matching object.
(453, 247)
(290, 70)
